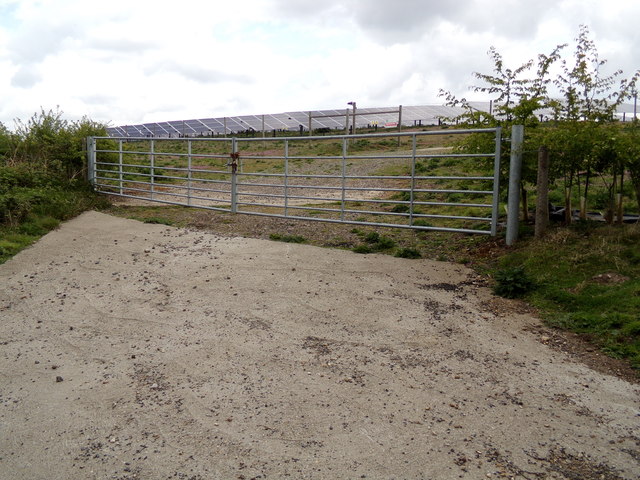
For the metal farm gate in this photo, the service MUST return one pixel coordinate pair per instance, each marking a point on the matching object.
(405, 180)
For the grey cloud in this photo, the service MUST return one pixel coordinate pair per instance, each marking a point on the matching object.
(39, 40)
(121, 45)
(196, 73)
(396, 21)
(26, 77)
(98, 99)
(405, 21)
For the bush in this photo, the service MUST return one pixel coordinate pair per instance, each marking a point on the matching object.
(374, 243)
(48, 143)
(287, 238)
(38, 226)
(512, 282)
(385, 243)
(372, 237)
(408, 253)
(159, 221)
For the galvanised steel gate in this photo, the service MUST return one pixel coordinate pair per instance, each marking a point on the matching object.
(412, 180)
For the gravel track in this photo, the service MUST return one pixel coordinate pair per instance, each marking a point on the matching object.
(131, 350)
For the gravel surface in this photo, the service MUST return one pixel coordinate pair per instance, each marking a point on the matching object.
(131, 350)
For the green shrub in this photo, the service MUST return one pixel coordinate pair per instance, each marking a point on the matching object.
(38, 226)
(385, 243)
(362, 248)
(372, 237)
(512, 282)
(159, 221)
(287, 238)
(408, 253)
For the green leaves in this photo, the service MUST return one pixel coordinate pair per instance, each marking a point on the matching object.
(512, 282)
(49, 143)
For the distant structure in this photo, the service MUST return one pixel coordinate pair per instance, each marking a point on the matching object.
(317, 121)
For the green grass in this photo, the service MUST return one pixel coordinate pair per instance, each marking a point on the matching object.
(586, 281)
(32, 203)
(374, 242)
(158, 221)
(408, 252)
(11, 243)
(287, 238)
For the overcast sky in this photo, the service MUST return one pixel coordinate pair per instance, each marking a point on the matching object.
(134, 61)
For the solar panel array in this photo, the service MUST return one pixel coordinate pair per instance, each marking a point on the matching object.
(299, 121)
(292, 121)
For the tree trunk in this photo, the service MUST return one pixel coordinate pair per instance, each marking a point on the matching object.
(542, 193)
(619, 209)
(567, 205)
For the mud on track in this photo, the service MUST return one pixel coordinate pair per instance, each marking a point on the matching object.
(130, 350)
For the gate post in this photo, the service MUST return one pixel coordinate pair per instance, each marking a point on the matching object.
(515, 175)
(234, 175)
(495, 204)
(91, 161)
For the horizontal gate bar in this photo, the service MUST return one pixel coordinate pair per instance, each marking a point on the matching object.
(189, 176)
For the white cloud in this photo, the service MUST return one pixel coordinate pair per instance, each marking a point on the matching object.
(132, 61)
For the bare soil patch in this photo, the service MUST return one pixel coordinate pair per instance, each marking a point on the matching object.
(132, 350)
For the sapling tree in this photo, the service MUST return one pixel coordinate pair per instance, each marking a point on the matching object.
(517, 95)
(580, 142)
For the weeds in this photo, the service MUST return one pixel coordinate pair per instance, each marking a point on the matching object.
(408, 252)
(374, 242)
(287, 238)
(159, 221)
(512, 282)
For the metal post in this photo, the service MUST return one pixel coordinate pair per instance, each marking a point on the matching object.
(189, 173)
(224, 120)
(91, 161)
(120, 165)
(152, 162)
(286, 178)
(310, 124)
(515, 175)
(344, 177)
(496, 183)
(346, 125)
(354, 118)
(399, 121)
(234, 175)
(413, 177)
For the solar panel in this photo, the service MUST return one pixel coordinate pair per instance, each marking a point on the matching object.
(332, 119)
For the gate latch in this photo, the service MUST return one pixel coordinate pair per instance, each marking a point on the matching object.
(234, 162)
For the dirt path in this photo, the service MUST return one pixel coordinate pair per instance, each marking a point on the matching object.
(130, 350)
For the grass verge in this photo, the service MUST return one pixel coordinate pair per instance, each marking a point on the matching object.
(29, 212)
(585, 279)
